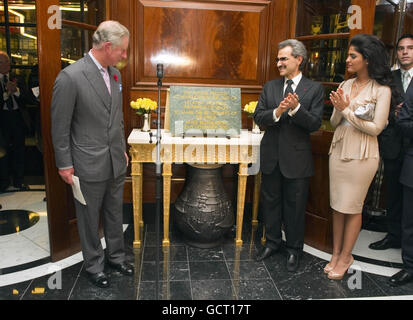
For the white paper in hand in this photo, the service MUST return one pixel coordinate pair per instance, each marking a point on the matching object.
(77, 193)
(36, 91)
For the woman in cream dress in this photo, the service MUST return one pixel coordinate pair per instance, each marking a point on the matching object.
(354, 151)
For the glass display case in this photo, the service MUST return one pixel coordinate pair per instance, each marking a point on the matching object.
(79, 18)
(326, 59)
(19, 34)
(323, 27)
(19, 11)
(386, 20)
(322, 17)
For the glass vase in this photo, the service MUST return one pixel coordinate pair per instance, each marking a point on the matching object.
(255, 127)
(146, 122)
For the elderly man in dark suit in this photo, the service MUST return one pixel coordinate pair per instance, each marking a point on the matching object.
(290, 108)
(405, 122)
(391, 143)
(13, 128)
(89, 142)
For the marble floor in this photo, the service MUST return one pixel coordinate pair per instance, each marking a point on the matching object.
(186, 273)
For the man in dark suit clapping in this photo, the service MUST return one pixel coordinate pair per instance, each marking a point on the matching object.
(290, 108)
(13, 128)
(391, 144)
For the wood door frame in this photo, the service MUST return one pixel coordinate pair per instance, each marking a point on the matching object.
(58, 208)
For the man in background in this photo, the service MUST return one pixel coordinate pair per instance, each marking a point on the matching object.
(405, 122)
(12, 128)
(391, 143)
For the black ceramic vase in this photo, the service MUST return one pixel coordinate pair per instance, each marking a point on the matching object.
(203, 211)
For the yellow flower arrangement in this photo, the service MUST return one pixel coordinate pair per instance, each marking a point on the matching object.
(144, 105)
(250, 107)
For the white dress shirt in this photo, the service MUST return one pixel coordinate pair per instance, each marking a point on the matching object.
(103, 71)
(296, 80)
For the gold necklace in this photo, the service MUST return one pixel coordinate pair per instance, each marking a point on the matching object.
(359, 87)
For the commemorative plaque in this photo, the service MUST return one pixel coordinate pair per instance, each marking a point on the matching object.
(204, 111)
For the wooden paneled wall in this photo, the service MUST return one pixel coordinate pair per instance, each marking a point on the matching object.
(408, 20)
(229, 43)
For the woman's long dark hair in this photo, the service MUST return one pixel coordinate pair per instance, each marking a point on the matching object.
(374, 51)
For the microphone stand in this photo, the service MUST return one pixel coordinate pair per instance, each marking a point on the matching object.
(158, 190)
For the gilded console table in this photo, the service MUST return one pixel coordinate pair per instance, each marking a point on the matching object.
(243, 150)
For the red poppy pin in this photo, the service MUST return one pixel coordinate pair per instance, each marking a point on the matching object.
(115, 77)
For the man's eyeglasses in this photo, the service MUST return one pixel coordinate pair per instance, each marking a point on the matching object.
(282, 59)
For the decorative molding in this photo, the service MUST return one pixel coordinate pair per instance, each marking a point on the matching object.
(220, 43)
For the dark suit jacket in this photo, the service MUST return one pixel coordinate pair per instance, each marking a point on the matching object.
(19, 99)
(405, 122)
(391, 139)
(21, 102)
(287, 141)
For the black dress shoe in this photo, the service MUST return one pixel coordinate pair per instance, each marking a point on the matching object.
(384, 244)
(292, 262)
(265, 253)
(21, 186)
(99, 279)
(400, 278)
(124, 268)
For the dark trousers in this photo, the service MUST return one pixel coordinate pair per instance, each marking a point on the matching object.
(102, 198)
(283, 202)
(394, 198)
(407, 229)
(13, 129)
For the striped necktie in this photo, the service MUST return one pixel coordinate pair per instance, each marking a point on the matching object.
(406, 80)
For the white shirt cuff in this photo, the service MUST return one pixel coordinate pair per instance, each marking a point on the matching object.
(274, 116)
(293, 112)
(17, 93)
(65, 168)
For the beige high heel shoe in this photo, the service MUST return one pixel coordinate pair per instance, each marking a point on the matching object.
(328, 268)
(338, 276)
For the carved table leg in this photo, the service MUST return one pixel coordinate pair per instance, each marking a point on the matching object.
(256, 199)
(137, 202)
(242, 185)
(167, 174)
